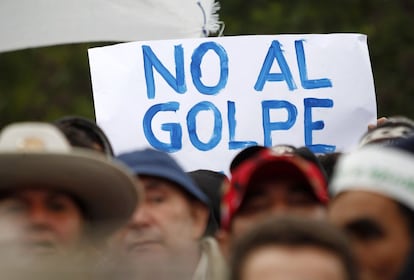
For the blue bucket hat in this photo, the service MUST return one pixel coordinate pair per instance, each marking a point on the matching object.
(160, 164)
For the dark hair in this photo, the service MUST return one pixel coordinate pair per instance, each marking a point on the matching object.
(84, 133)
(294, 232)
(244, 155)
(210, 182)
(408, 215)
(328, 162)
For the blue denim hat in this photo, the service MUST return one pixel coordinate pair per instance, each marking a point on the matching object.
(160, 164)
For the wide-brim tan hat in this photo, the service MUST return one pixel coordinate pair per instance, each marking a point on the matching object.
(38, 155)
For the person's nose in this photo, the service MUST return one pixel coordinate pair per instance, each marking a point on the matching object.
(279, 208)
(37, 215)
(140, 218)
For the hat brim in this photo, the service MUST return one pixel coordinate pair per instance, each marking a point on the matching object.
(166, 173)
(290, 167)
(264, 164)
(105, 189)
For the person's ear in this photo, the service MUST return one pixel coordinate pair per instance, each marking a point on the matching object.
(223, 238)
(200, 214)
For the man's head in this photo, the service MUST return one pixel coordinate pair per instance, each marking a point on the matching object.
(173, 215)
(374, 204)
(84, 133)
(50, 221)
(58, 196)
(269, 183)
(292, 248)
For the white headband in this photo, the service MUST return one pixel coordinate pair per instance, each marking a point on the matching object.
(384, 170)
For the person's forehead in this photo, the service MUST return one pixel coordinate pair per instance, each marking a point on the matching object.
(293, 249)
(29, 192)
(152, 183)
(362, 197)
(356, 204)
(309, 259)
(38, 191)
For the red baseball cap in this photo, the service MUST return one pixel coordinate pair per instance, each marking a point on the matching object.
(264, 162)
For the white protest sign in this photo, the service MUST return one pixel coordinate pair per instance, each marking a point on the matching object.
(203, 100)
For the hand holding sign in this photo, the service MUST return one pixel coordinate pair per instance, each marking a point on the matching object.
(204, 99)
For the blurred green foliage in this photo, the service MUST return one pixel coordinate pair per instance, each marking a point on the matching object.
(47, 83)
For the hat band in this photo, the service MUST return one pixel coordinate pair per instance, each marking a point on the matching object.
(383, 170)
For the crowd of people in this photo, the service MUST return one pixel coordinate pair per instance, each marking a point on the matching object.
(71, 209)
